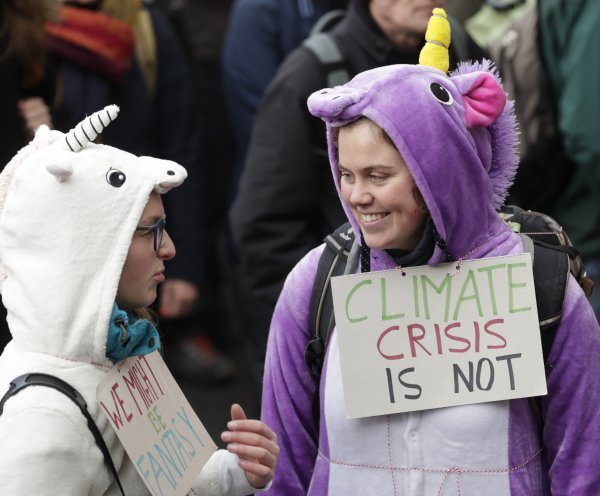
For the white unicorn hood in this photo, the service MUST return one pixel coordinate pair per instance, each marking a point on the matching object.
(68, 211)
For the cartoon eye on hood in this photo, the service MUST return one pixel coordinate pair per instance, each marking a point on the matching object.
(115, 178)
(441, 94)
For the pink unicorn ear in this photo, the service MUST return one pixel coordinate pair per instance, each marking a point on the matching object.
(484, 101)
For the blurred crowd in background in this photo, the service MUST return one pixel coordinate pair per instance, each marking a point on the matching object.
(220, 86)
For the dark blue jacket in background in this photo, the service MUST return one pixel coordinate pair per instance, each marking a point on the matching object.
(160, 124)
(260, 35)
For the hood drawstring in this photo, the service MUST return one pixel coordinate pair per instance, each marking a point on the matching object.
(365, 256)
(442, 245)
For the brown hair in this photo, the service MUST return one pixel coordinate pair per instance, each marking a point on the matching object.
(147, 314)
(385, 136)
(23, 28)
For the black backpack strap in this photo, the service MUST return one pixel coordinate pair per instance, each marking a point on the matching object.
(321, 318)
(551, 276)
(333, 262)
(551, 270)
(38, 379)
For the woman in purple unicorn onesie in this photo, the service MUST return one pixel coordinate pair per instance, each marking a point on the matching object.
(422, 161)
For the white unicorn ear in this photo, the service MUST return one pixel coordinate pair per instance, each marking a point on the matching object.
(60, 171)
(42, 137)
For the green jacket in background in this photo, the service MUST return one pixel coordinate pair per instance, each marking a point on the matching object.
(570, 44)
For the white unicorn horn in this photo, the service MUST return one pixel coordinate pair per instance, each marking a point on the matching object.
(89, 128)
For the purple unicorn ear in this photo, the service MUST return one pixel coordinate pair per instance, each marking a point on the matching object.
(483, 96)
(491, 119)
(329, 104)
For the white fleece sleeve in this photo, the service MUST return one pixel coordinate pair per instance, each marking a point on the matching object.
(222, 476)
(44, 451)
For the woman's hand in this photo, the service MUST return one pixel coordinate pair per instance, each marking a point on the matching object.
(34, 112)
(254, 444)
(178, 298)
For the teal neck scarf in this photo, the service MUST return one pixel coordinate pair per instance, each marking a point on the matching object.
(129, 336)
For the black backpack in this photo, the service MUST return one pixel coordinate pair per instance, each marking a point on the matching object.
(329, 55)
(553, 254)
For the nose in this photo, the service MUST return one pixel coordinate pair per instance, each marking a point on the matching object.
(166, 250)
(360, 194)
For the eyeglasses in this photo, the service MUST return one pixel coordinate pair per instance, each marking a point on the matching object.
(158, 228)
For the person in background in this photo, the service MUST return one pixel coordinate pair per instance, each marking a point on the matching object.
(494, 18)
(261, 34)
(286, 203)
(125, 51)
(570, 46)
(26, 88)
(203, 346)
(78, 275)
(463, 9)
(426, 191)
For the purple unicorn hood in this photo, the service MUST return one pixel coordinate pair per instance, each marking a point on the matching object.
(457, 134)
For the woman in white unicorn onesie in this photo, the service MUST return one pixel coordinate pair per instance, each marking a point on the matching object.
(82, 250)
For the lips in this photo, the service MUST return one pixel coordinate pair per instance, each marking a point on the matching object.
(370, 218)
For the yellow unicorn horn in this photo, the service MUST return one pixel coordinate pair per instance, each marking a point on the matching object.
(437, 42)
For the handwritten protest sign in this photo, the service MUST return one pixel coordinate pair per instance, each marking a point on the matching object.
(162, 435)
(437, 337)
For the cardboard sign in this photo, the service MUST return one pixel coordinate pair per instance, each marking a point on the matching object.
(162, 435)
(437, 336)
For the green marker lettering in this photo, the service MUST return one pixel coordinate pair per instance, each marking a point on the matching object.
(384, 315)
(512, 285)
(469, 281)
(350, 295)
(490, 279)
(416, 296)
(446, 284)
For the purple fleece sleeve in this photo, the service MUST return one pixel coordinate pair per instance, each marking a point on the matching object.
(572, 407)
(288, 389)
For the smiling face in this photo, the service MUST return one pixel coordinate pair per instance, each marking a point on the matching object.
(377, 185)
(144, 267)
